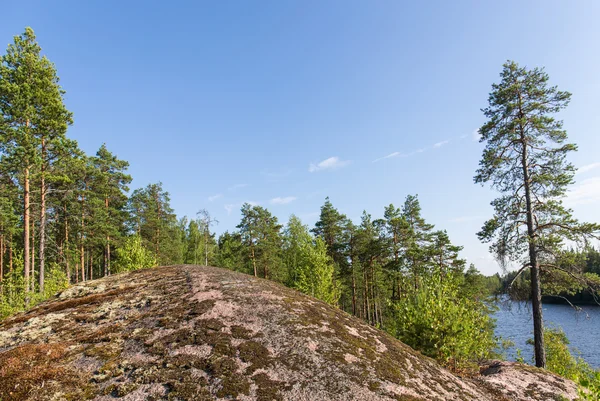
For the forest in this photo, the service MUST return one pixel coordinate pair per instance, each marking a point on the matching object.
(68, 217)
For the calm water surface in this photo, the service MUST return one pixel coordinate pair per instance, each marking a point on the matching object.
(513, 321)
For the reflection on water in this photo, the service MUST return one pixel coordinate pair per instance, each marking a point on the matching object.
(514, 322)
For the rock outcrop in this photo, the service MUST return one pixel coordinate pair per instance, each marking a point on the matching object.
(204, 333)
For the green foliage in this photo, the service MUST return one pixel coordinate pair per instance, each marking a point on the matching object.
(229, 253)
(525, 159)
(153, 219)
(260, 232)
(311, 268)
(133, 255)
(14, 298)
(439, 320)
(561, 361)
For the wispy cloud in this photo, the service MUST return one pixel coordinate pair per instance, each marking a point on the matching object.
(475, 135)
(440, 144)
(587, 167)
(229, 207)
(215, 197)
(238, 186)
(333, 163)
(588, 191)
(399, 154)
(391, 155)
(282, 201)
(464, 219)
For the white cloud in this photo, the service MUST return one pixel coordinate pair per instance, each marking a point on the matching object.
(399, 154)
(587, 167)
(332, 163)
(238, 186)
(214, 197)
(588, 191)
(475, 135)
(463, 136)
(394, 154)
(440, 144)
(229, 208)
(283, 201)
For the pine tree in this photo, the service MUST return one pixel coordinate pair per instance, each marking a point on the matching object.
(110, 184)
(154, 220)
(230, 253)
(415, 236)
(34, 124)
(260, 232)
(525, 160)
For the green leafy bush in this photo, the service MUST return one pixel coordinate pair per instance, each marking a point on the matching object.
(133, 255)
(561, 361)
(440, 321)
(315, 270)
(14, 298)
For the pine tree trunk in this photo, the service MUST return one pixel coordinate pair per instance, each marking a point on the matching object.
(107, 250)
(366, 295)
(2, 251)
(32, 255)
(158, 229)
(254, 262)
(536, 291)
(81, 248)
(42, 221)
(353, 288)
(66, 245)
(10, 257)
(107, 256)
(26, 247)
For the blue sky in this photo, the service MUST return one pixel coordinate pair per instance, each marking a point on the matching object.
(283, 103)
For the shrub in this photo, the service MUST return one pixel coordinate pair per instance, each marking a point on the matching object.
(133, 255)
(561, 361)
(440, 321)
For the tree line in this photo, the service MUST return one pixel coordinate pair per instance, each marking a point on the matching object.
(68, 217)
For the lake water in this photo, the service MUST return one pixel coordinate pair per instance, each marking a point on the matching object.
(514, 322)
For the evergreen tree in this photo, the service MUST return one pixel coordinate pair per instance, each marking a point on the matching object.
(260, 232)
(154, 220)
(34, 122)
(525, 159)
(415, 235)
(330, 228)
(111, 186)
(230, 253)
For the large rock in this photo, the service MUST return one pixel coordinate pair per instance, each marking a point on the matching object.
(203, 333)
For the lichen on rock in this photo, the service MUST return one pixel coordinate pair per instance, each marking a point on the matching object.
(204, 333)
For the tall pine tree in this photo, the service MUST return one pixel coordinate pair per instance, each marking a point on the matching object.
(525, 160)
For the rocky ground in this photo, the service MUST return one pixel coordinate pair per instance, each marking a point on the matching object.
(204, 333)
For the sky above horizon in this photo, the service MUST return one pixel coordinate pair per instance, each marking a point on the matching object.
(283, 103)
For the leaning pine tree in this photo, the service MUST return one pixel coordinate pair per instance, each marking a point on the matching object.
(525, 160)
